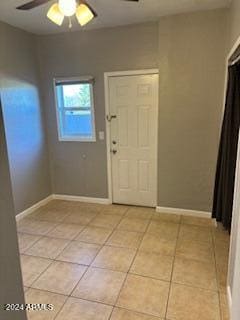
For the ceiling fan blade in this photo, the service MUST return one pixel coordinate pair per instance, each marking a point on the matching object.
(90, 7)
(32, 4)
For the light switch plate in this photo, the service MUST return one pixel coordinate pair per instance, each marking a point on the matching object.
(101, 135)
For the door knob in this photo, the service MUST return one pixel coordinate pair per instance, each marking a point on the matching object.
(110, 117)
(114, 142)
(113, 151)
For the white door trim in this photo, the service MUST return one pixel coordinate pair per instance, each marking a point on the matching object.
(107, 76)
(229, 293)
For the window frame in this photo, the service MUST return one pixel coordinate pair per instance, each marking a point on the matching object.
(75, 80)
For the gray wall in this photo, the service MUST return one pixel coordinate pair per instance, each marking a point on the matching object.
(11, 288)
(25, 133)
(81, 168)
(191, 65)
(189, 51)
(234, 18)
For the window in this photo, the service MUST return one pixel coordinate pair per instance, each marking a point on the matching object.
(75, 109)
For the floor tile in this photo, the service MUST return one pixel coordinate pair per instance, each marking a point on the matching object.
(195, 250)
(94, 235)
(221, 249)
(153, 265)
(88, 310)
(195, 273)
(92, 207)
(195, 233)
(60, 277)
(153, 244)
(119, 210)
(221, 262)
(66, 231)
(52, 215)
(122, 314)
(126, 239)
(197, 221)
(82, 218)
(34, 296)
(57, 204)
(106, 221)
(35, 227)
(32, 267)
(188, 303)
(114, 258)
(224, 307)
(75, 207)
(222, 272)
(221, 255)
(144, 295)
(48, 247)
(159, 216)
(163, 229)
(79, 252)
(133, 224)
(140, 213)
(100, 285)
(220, 234)
(25, 241)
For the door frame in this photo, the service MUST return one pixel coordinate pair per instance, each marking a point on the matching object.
(233, 255)
(107, 77)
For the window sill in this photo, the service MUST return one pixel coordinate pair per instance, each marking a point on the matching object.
(71, 139)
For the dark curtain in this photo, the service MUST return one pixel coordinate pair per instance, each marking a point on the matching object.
(227, 156)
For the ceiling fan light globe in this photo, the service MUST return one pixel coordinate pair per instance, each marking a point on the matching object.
(55, 15)
(84, 14)
(68, 7)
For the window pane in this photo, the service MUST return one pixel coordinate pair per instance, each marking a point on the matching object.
(77, 123)
(76, 95)
(75, 111)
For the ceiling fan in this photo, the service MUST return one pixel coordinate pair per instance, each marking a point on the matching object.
(66, 8)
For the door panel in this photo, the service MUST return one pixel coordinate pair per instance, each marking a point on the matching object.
(143, 126)
(134, 101)
(143, 175)
(123, 174)
(123, 126)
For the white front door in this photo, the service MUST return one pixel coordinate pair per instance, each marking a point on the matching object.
(133, 102)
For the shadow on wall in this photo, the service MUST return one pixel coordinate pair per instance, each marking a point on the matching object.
(10, 272)
(26, 141)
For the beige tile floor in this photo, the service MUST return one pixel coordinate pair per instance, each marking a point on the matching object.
(99, 262)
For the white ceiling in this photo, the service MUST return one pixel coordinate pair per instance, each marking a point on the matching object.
(110, 13)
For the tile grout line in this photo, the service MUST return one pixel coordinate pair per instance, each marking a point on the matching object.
(88, 266)
(94, 301)
(216, 271)
(23, 252)
(173, 265)
(54, 260)
(127, 273)
(106, 244)
(70, 295)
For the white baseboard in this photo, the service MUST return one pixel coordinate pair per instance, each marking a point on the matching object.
(184, 212)
(81, 199)
(41, 203)
(229, 299)
(37, 205)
